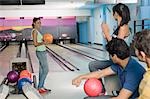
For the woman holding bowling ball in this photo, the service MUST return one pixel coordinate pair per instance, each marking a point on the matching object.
(40, 53)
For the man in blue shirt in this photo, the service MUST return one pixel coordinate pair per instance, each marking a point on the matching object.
(128, 70)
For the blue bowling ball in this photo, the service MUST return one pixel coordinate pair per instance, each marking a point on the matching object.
(22, 82)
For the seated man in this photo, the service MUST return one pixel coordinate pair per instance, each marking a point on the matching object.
(129, 71)
(142, 50)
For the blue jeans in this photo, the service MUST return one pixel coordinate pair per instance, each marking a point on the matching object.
(43, 67)
(99, 65)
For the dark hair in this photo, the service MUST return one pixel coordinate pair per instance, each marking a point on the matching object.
(34, 20)
(142, 41)
(119, 47)
(123, 11)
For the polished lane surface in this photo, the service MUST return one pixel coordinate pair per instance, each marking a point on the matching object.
(76, 59)
(6, 56)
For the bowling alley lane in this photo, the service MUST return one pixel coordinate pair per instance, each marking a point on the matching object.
(76, 59)
(97, 46)
(6, 56)
(102, 55)
(93, 46)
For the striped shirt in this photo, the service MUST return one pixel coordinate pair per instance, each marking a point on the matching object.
(144, 88)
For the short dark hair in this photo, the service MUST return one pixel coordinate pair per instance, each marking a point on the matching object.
(123, 11)
(119, 47)
(142, 41)
(34, 20)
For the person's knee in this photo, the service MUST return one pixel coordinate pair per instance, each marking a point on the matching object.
(99, 65)
(91, 67)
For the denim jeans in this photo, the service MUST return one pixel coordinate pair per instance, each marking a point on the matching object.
(43, 67)
(99, 65)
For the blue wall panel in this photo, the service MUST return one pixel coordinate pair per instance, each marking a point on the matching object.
(83, 33)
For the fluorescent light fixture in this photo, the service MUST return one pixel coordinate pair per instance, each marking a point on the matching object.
(64, 5)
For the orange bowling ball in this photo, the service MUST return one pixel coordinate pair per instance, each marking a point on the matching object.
(47, 37)
(25, 74)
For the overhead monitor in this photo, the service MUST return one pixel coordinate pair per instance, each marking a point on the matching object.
(32, 2)
(10, 2)
(21, 2)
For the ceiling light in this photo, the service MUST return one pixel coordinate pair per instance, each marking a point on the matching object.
(63, 5)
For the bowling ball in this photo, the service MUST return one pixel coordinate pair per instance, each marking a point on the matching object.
(47, 37)
(22, 82)
(13, 76)
(93, 87)
(25, 74)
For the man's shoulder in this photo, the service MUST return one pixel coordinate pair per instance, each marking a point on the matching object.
(133, 61)
(135, 65)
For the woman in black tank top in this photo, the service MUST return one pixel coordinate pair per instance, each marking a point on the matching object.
(121, 14)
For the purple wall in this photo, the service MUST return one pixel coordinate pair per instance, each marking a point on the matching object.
(45, 22)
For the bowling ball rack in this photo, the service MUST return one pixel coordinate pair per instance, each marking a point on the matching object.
(18, 64)
(13, 86)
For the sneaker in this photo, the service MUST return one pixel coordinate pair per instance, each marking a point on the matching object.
(43, 90)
